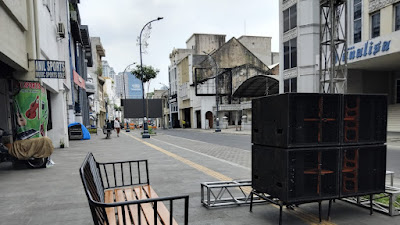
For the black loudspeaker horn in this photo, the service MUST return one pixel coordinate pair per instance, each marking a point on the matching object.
(297, 120)
(364, 119)
(363, 170)
(296, 175)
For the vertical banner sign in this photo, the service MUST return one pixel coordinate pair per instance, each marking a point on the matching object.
(31, 110)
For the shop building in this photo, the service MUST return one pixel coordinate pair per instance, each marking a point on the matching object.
(30, 31)
(42, 50)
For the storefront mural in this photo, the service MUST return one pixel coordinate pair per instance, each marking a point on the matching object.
(31, 110)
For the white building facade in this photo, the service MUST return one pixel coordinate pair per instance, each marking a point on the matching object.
(195, 105)
(373, 49)
(29, 31)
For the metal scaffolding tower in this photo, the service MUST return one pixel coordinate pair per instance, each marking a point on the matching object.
(333, 46)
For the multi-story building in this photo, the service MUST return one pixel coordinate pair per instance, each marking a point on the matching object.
(96, 71)
(119, 88)
(112, 73)
(240, 64)
(128, 86)
(373, 49)
(108, 71)
(299, 23)
(110, 98)
(82, 58)
(42, 56)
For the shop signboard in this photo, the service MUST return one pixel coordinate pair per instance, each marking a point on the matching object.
(376, 47)
(31, 110)
(367, 50)
(78, 80)
(50, 69)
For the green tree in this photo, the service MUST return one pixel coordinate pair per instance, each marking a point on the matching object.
(116, 108)
(148, 73)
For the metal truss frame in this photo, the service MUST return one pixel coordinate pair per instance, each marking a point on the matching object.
(333, 46)
(392, 209)
(223, 193)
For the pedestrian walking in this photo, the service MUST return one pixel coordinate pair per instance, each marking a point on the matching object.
(117, 126)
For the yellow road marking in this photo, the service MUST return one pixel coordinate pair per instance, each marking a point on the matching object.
(303, 215)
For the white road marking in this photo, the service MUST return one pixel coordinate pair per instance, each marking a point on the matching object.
(212, 157)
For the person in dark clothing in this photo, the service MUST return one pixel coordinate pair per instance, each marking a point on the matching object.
(108, 124)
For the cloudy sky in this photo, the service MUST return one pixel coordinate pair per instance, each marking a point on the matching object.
(118, 23)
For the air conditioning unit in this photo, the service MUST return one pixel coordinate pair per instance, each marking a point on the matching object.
(61, 30)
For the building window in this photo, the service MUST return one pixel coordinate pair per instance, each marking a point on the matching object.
(375, 24)
(290, 18)
(290, 85)
(397, 17)
(290, 54)
(357, 20)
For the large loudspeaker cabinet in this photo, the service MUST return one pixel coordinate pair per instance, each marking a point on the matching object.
(297, 120)
(363, 170)
(300, 175)
(310, 174)
(310, 147)
(364, 119)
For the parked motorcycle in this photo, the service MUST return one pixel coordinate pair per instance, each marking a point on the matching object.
(6, 156)
(108, 127)
(107, 132)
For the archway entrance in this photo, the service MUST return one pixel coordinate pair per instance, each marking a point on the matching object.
(209, 117)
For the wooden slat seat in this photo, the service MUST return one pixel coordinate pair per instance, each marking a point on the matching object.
(162, 210)
(117, 196)
(115, 214)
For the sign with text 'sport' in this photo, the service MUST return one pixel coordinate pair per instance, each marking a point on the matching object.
(50, 69)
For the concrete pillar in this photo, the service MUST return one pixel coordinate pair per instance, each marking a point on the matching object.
(59, 133)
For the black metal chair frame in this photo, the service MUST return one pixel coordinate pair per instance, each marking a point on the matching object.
(92, 174)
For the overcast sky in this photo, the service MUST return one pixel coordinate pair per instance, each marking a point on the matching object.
(118, 23)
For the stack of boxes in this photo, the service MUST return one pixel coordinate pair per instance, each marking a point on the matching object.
(311, 147)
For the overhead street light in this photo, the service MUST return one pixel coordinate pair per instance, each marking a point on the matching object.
(145, 126)
(123, 77)
(217, 129)
(123, 81)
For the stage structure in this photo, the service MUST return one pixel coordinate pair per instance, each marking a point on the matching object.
(333, 46)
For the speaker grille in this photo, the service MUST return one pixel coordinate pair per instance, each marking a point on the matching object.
(297, 120)
(363, 170)
(296, 175)
(365, 119)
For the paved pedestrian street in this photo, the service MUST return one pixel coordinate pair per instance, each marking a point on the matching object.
(177, 166)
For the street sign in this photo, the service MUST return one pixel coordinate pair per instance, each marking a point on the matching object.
(50, 69)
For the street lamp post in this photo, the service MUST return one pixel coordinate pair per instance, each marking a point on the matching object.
(217, 129)
(145, 127)
(123, 81)
(123, 77)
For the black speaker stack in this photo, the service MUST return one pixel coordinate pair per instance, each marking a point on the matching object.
(311, 147)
